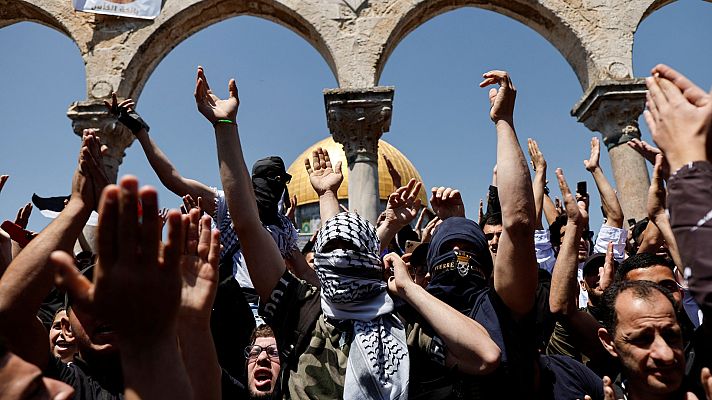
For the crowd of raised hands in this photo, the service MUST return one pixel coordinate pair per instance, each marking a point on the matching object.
(216, 300)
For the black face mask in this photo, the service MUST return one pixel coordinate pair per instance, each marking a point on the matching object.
(268, 193)
(269, 181)
(456, 277)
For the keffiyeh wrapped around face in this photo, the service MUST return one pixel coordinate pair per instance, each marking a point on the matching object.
(352, 288)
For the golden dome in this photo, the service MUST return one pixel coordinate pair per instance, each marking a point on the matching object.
(301, 187)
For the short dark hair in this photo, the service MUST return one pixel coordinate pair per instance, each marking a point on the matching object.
(641, 290)
(641, 260)
(493, 219)
(555, 229)
(263, 330)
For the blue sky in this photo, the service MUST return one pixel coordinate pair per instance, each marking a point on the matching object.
(440, 118)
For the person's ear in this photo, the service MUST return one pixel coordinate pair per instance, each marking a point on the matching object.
(607, 342)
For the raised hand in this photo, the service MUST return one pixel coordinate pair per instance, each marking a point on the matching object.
(657, 193)
(502, 100)
(447, 202)
(645, 149)
(537, 158)
(292, 210)
(322, 176)
(211, 106)
(592, 163)
(679, 123)
(130, 267)
(393, 172)
(23, 215)
(126, 113)
(163, 215)
(91, 161)
(607, 272)
(199, 268)
(403, 204)
(189, 203)
(427, 234)
(481, 213)
(3, 179)
(575, 209)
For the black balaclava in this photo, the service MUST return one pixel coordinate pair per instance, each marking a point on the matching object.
(269, 181)
(455, 280)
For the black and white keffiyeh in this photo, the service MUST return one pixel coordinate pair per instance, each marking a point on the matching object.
(352, 288)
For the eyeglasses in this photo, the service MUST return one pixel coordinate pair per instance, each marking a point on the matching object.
(254, 351)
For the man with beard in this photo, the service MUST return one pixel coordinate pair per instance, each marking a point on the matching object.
(263, 365)
(327, 334)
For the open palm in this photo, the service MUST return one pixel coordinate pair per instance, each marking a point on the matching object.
(322, 176)
(403, 204)
(210, 105)
(199, 268)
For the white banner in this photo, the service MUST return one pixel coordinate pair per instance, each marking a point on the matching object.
(146, 9)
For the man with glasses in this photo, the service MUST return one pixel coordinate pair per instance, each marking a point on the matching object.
(263, 365)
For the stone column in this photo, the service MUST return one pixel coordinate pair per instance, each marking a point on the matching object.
(357, 118)
(612, 108)
(93, 114)
(113, 134)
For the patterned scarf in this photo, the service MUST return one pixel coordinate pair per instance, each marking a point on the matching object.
(352, 288)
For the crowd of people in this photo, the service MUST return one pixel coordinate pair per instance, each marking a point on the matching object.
(525, 302)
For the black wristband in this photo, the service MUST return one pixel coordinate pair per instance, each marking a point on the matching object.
(133, 121)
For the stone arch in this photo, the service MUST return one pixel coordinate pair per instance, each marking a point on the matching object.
(14, 11)
(193, 18)
(654, 6)
(547, 22)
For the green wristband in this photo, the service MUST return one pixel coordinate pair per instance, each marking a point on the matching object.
(225, 121)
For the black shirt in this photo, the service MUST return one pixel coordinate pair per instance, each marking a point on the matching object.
(86, 385)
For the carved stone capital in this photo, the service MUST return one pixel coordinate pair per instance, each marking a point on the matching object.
(357, 118)
(612, 108)
(113, 134)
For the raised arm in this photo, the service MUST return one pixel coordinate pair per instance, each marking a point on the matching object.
(199, 269)
(469, 346)
(402, 208)
(539, 182)
(264, 261)
(28, 279)
(679, 115)
(515, 269)
(165, 170)
(657, 199)
(149, 285)
(325, 180)
(609, 200)
(564, 283)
